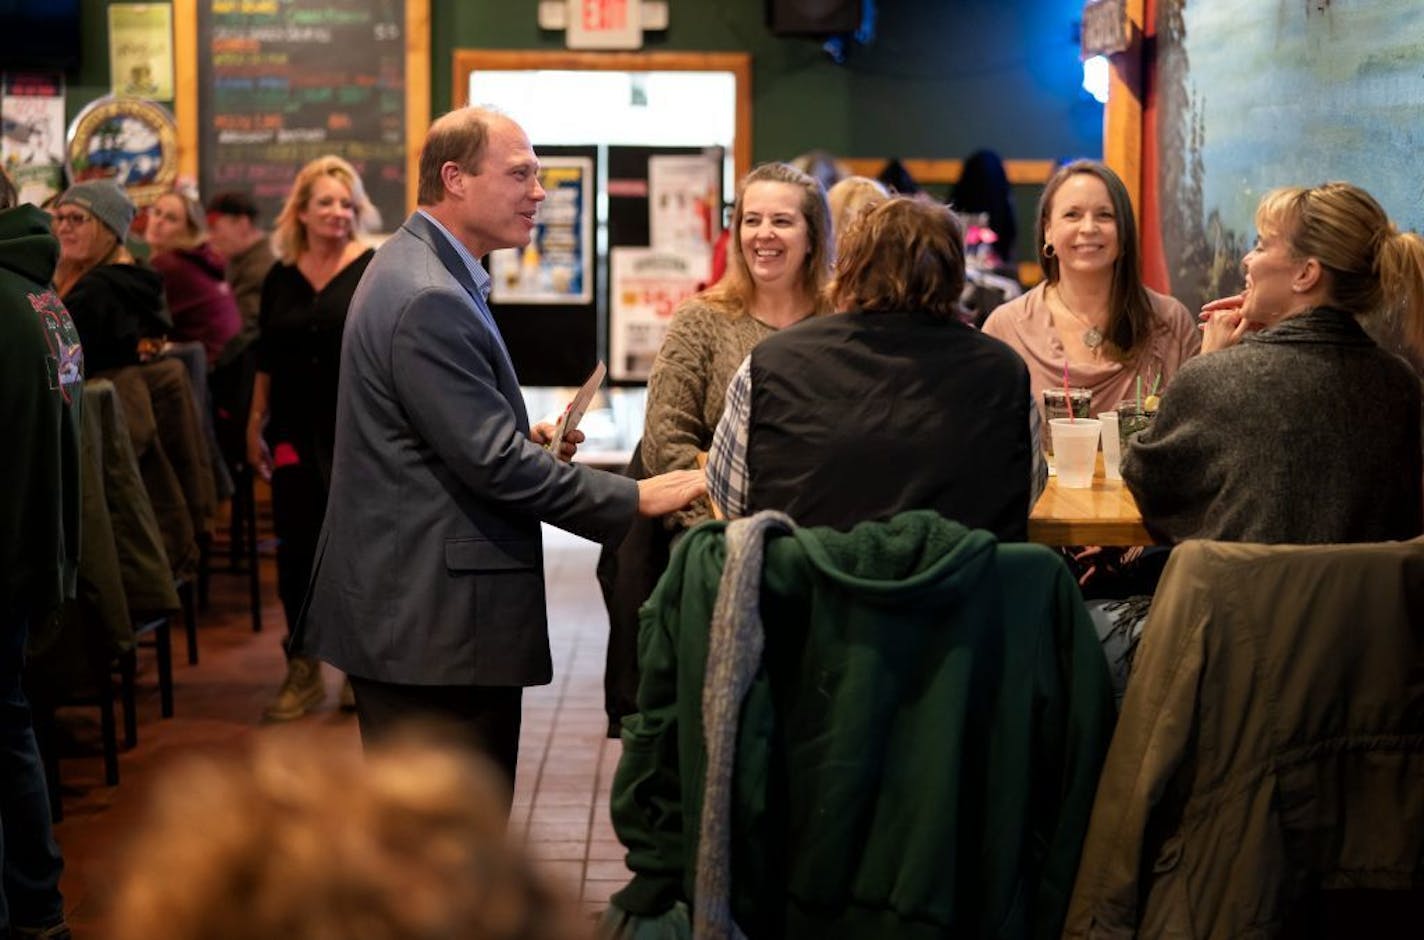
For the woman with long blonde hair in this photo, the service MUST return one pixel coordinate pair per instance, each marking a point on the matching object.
(292, 425)
(778, 264)
(780, 260)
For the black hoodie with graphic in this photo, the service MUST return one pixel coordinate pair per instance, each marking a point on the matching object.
(41, 393)
(114, 306)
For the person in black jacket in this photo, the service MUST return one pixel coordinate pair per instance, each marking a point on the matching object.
(41, 393)
(893, 404)
(116, 303)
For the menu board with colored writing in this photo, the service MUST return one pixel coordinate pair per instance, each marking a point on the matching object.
(284, 81)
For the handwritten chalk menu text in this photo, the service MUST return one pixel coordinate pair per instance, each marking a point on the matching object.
(285, 81)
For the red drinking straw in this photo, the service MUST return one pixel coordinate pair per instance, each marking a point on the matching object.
(1067, 396)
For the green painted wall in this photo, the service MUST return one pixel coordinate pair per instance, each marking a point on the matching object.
(941, 78)
(91, 79)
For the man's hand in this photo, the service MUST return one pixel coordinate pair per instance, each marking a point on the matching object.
(667, 492)
(543, 432)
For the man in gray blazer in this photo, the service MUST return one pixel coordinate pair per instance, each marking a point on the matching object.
(428, 585)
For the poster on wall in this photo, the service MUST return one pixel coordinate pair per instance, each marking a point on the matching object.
(555, 267)
(33, 141)
(684, 202)
(646, 286)
(141, 50)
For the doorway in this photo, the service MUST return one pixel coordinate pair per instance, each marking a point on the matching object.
(562, 99)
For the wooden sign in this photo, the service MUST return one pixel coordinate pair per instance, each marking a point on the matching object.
(1105, 28)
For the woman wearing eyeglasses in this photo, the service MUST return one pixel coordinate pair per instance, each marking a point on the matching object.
(116, 304)
(118, 307)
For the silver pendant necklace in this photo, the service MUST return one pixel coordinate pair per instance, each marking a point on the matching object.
(1092, 337)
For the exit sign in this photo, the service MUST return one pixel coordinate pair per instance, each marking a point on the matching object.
(605, 24)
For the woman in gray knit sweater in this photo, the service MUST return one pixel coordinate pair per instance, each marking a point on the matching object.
(777, 268)
(1294, 426)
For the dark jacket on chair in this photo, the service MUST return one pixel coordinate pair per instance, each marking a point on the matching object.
(1270, 747)
(915, 756)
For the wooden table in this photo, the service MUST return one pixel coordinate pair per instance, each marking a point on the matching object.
(1103, 515)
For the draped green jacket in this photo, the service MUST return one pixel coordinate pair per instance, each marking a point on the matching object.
(916, 757)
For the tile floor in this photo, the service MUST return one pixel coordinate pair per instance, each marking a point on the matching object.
(566, 762)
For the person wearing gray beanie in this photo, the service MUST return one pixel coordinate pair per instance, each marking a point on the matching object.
(106, 201)
(116, 303)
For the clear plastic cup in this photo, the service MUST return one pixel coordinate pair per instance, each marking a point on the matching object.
(1076, 450)
(1112, 446)
(1055, 405)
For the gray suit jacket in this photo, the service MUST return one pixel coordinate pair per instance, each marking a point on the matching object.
(429, 569)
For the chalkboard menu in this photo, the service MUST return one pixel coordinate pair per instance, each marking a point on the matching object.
(284, 81)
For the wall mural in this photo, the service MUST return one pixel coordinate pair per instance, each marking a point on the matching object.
(1271, 93)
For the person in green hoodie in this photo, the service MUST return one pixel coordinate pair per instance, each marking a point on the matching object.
(41, 391)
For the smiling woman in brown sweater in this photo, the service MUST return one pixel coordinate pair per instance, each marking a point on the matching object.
(776, 274)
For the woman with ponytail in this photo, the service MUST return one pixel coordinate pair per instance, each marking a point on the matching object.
(1294, 425)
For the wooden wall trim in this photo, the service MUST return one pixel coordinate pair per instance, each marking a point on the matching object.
(1122, 119)
(185, 91)
(466, 61)
(417, 93)
(1026, 172)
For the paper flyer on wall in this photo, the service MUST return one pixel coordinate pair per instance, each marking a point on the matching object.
(33, 139)
(141, 50)
(684, 201)
(646, 287)
(555, 267)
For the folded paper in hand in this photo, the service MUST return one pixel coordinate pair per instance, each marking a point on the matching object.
(573, 414)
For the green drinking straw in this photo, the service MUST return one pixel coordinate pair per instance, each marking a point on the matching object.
(1155, 382)
(1139, 393)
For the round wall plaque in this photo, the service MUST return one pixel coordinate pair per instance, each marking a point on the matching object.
(132, 141)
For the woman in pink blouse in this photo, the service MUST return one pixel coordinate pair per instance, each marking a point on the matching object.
(1092, 311)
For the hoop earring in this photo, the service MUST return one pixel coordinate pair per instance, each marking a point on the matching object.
(1048, 250)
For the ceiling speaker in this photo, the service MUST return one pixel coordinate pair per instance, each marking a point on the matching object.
(813, 17)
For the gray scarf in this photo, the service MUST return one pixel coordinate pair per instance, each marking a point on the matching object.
(734, 651)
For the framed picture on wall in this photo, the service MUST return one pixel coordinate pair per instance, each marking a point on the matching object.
(555, 267)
